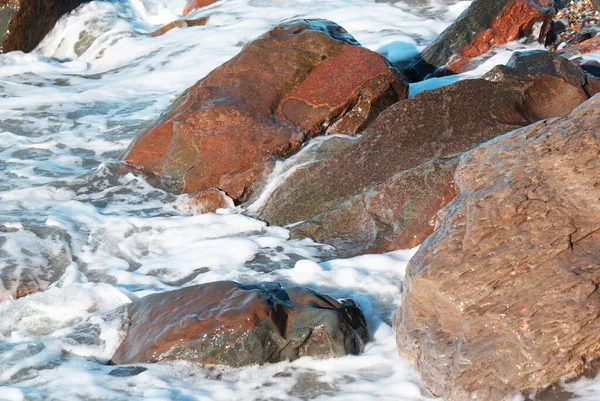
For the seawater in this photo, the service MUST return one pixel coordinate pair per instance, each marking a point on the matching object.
(69, 109)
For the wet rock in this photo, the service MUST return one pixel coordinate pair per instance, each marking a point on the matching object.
(587, 46)
(31, 258)
(486, 23)
(225, 323)
(208, 201)
(24, 23)
(503, 296)
(382, 192)
(298, 80)
(193, 5)
(180, 24)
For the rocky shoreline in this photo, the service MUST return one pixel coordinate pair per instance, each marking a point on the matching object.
(495, 178)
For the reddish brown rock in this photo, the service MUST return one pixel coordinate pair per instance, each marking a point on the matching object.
(208, 201)
(225, 323)
(400, 157)
(486, 23)
(24, 23)
(180, 23)
(193, 5)
(396, 214)
(503, 296)
(587, 46)
(226, 131)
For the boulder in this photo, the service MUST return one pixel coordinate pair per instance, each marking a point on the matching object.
(299, 80)
(225, 323)
(24, 23)
(486, 23)
(402, 157)
(503, 296)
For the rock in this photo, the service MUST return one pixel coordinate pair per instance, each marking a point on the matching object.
(34, 257)
(24, 23)
(180, 23)
(207, 201)
(596, 4)
(297, 81)
(503, 296)
(574, 22)
(225, 323)
(587, 46)
(486, 23)
(193, 5)
(396, 214)
(592, 67)
(402, 156)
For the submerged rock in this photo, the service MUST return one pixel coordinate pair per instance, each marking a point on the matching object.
(31, 258)
(180, 23)
(503, 296)
(299, 80)
(383, 192)
(208, 201)
(486, 23)
(24, 23)
(225, 323)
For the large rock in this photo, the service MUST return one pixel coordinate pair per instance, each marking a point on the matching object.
(225, 323)
(382, 193)
(297, 81)
(24, 23)
(503, 296)
(486, 23)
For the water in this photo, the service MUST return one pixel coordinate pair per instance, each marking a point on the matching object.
(100, 236)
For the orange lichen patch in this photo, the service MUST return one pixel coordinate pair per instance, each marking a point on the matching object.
(193, 5)
(506, 27)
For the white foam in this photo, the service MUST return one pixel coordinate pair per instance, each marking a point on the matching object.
(67, 112)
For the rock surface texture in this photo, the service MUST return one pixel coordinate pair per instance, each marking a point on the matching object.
(486, 23)
(24, 23)
(383, 192)
(225, 323)
(503, 296)
(297, 81)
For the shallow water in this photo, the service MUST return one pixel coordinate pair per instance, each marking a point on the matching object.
(68, 111)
